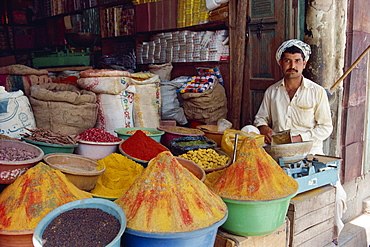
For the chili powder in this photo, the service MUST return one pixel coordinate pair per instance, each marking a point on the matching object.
(142, 147)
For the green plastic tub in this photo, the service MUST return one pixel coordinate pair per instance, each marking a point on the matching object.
(156, 134)
(255, 218)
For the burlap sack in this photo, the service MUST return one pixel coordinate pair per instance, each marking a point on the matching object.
(206, 107)
(63, 108)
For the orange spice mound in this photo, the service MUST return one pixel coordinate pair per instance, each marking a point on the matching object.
(33, 195)
(167, 198)
(254, 176)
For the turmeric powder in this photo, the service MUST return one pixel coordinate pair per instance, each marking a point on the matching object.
(33, 195)
(254, 176)
(120, 173)
(166, 198)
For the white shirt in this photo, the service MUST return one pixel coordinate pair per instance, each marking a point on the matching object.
(307, 114)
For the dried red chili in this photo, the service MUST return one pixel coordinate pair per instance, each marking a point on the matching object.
(142, 147)
(97, 135)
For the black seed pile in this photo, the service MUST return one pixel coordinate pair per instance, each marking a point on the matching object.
(81, 227)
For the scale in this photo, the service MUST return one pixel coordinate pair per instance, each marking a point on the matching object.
(313, 171)
(76, 53)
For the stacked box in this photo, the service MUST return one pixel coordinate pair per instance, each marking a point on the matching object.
(278, 238)
(311, 216)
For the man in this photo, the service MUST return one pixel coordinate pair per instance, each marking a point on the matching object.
(295, 103)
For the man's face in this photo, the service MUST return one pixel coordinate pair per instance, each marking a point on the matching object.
(292, 65)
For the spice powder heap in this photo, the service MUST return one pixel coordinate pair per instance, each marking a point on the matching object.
(33, 195)
(120, 173)
(167, 198)
(255, 176)
(142, 147)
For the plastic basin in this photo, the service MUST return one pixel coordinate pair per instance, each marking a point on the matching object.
(176, 149)
(169, 135)
(105, 205)
(16, 238)
(211, 131)
(156, 134)
(255, 218)
(85, 171)
(204, 237)
(49, 148)
(10, 170)
(96, 150)
(193, 168)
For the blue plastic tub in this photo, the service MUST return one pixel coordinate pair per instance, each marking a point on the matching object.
(103, 204)
(200, 238)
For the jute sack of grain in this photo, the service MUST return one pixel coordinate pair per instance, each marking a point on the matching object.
(115, 111)
(105, 85)
(147, 99)
(206, 107)
(63, 108)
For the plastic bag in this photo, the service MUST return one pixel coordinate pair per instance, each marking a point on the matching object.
(228, 140)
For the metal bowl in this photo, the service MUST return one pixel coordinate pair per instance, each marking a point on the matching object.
(82, 40)
(290, 152)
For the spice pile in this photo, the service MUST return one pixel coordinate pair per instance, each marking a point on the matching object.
(120, 173)
(48, 136)
(33, 195)
(142, 147)
(167, 198)
(97, 135)
(81, 227)
(254, 176)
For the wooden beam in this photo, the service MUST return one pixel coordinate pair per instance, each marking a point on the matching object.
(237, 29)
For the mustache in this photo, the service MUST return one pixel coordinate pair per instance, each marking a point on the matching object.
(291, 69)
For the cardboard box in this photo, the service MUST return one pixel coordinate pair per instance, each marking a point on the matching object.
(278, 238)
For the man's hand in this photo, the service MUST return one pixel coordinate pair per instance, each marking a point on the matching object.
(267, 132)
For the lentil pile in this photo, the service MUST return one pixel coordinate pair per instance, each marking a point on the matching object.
(33, 195)
(167, 198)
(206, 158)
(81, 227)
(254, 176)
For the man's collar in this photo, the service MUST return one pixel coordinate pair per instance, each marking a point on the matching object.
(304, 83)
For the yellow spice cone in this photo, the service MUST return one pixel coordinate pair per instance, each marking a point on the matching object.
(168, 198)
(33, 195)
(254, 176)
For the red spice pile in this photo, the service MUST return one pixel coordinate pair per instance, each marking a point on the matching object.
(142, 147)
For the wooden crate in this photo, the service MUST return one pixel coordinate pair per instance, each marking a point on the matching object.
(311, 216)
(278, 238)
